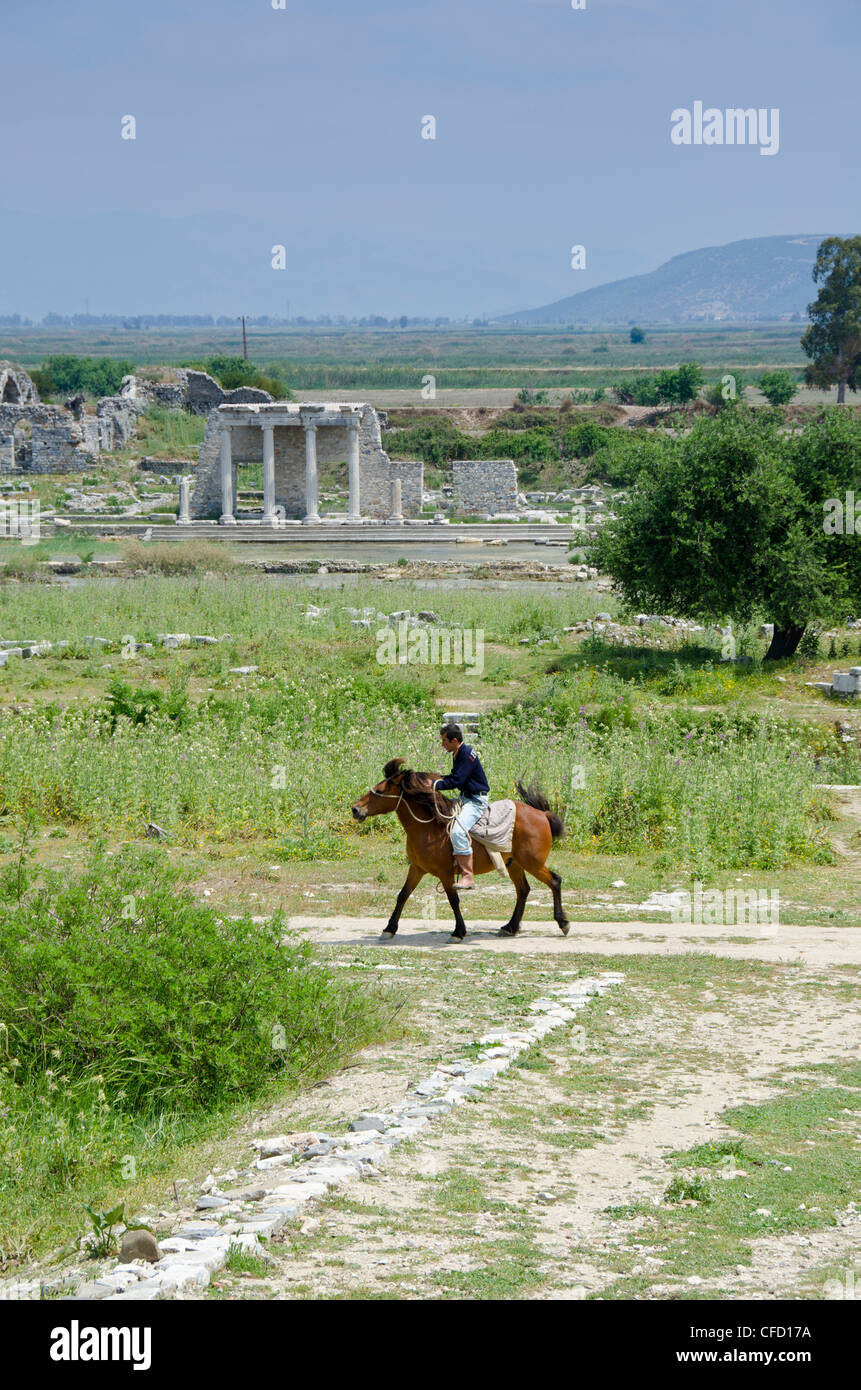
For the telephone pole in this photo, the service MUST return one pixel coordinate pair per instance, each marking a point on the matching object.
(244, 340)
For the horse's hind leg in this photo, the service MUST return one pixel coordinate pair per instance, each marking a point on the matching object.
(521, 884)
(413, 879)
(554, 883)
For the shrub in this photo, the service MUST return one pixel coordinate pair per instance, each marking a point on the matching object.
(232, 372)
(141, 706)
(582, 440)
(65, 374)
(778, 387)
(129, 984)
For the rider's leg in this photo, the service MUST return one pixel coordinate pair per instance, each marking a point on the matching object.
(471, 810)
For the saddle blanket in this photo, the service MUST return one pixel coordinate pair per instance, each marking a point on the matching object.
(495, 829)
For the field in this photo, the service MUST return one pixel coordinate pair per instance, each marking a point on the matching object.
(671, 769)
(465, 359)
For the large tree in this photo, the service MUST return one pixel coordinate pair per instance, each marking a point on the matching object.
(833, 340)
(728, 522)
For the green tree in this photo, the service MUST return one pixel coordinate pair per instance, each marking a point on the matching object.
(727, 522)
(778, 387)
(637, 335)
(680, 385)
(833, 340)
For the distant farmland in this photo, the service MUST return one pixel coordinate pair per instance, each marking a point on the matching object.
(468, 357)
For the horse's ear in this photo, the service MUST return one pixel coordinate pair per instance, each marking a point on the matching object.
(392, 768)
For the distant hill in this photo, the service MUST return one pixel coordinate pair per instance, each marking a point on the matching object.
(762, 278)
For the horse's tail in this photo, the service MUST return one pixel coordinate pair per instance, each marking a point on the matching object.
(534, 796)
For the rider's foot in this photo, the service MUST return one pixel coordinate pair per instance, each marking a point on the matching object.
(466, 882)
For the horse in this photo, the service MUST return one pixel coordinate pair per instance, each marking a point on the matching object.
(425, 817)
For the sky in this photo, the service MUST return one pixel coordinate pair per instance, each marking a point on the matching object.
(301, 126)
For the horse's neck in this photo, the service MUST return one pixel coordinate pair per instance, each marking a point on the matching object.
(416, 820)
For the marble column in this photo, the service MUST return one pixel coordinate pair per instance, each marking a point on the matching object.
(311, 514)
(184, 518)
(354, 512)
(269, 516)
(227, 517)
(396, 510)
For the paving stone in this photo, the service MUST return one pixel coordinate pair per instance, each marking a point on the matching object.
(139, 1293)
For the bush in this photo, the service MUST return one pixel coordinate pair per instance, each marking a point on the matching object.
(723, 394)
(128, 983)
(674, 386)
(232, 372)
(637, 335)
(65, 374)
(140, 706)
(584, 439)
(778, 387)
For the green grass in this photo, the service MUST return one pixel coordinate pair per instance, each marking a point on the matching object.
(794, 1165)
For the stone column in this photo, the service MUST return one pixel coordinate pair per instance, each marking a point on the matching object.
(184, 518)
(311, 514)
(269, 517)
(396, 510)
(354, 512)
(227, 517)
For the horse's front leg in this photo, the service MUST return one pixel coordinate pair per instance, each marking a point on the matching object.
(459, 924)
(413, 879)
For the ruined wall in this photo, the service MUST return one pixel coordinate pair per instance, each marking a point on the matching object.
(66, 446)
(47, 438)
(376, 486)
(117, 420)
(16, 387)
(197, 392)
(484, 486)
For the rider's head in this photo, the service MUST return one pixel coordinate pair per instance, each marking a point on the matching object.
(452, 737)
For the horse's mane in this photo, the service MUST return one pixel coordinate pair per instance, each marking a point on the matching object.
(418, 787)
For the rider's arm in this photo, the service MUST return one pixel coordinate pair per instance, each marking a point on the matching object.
(458, 775)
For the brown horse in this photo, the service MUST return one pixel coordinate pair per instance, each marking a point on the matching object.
(425, 816)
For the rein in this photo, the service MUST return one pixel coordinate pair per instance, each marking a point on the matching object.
(391, 795)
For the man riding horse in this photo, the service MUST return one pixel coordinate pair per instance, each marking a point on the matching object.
(467, 776)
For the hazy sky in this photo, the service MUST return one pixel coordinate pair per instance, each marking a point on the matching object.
(302, 126)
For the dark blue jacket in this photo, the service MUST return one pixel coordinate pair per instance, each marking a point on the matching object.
(466, 776)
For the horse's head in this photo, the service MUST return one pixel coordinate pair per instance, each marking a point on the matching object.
(385, 795)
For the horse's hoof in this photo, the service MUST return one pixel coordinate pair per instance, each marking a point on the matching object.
(387, 936)
(454, 939)
(506, 931)
(564, 927)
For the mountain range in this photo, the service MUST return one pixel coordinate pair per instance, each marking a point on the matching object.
(765, 278)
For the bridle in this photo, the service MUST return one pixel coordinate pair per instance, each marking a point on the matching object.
(372, 791)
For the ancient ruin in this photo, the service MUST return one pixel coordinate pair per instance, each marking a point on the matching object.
(484, 487)
(292, 441)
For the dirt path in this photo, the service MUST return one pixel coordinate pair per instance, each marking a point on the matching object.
(813, 946)
(542, 1188)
